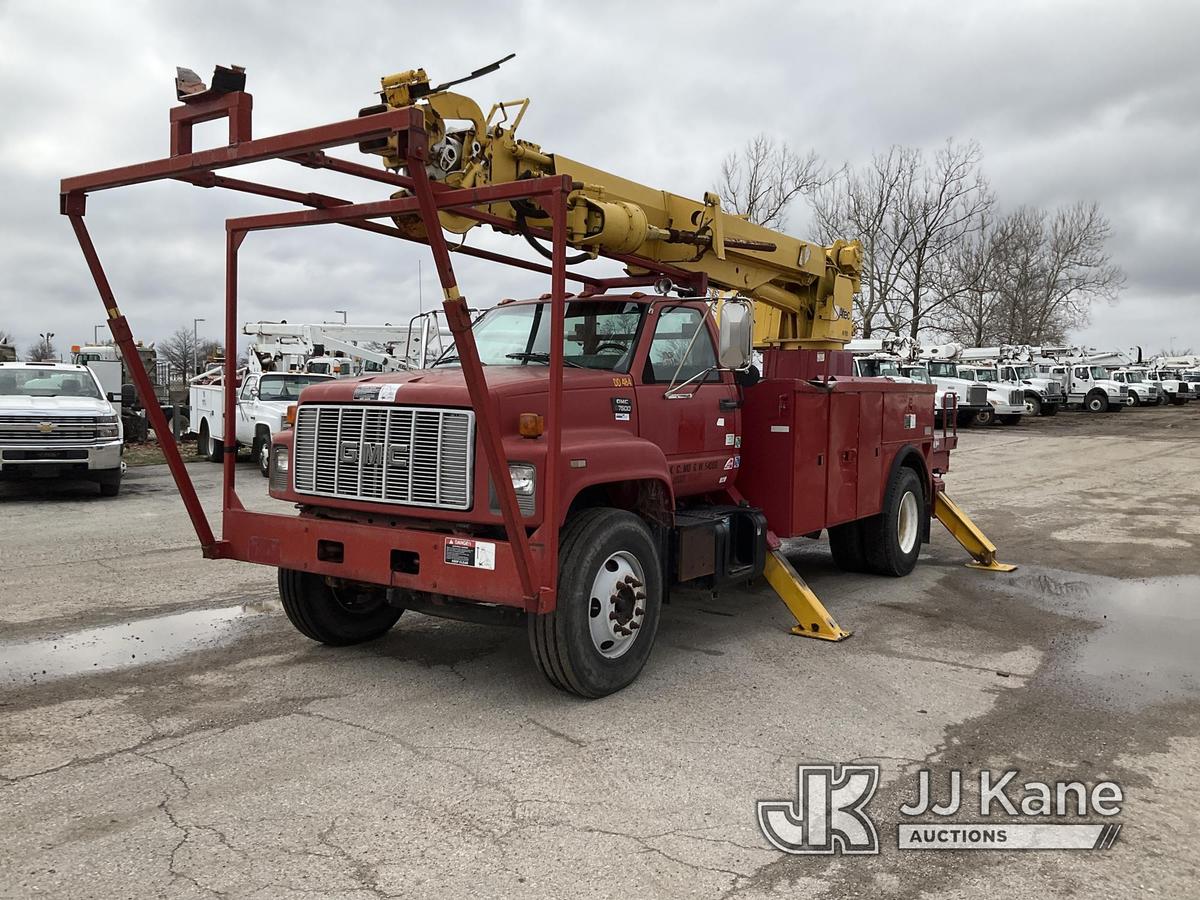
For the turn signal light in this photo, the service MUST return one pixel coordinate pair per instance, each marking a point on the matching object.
(531, 425)
(291, 415)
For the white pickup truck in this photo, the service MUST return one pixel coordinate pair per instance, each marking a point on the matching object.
(261, 410)
(56, 422)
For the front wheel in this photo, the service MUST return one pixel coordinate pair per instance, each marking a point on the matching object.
(1050, 409)
(1096, 402)
(262, 453)
(985, 416)
(110, 484)
(1033, 404)
(338, 616)
(600, 633)
(1133, 399)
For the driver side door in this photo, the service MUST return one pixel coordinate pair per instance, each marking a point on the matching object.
(697, 424)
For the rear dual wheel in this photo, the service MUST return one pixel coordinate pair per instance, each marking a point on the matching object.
(601, 632)
(889, 543)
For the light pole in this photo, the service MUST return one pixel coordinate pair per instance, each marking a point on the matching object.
(96, 334)
(343, 312)
(195, 346)
(46, 339)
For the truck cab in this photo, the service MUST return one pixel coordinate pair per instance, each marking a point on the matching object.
(972, 395)
(1043, 396)
(57, 422)
(261, 409)
(1142, 391)
(1006, 399)
(1171, 383)
(1087, 385)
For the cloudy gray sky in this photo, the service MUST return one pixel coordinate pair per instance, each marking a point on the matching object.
(1070, 101)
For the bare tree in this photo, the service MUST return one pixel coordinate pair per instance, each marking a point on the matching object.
(974, 302)
(761, 180)
(864, 205)
(1075, 270)
(43, 350)
(185, 353)
(945, 202)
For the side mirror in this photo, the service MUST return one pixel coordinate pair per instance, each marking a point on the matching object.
(129, 396)
(736, 335)
(253, 393)
(114, 397)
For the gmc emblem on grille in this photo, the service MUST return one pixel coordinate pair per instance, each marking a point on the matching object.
(373, 453)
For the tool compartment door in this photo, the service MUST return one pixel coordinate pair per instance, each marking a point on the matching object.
(841, 495)
(870, 462)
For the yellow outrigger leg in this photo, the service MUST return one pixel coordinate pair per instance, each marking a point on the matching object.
(811, 615)
(967, 533)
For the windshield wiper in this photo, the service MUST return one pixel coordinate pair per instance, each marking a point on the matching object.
(443, 359)
(542, 358)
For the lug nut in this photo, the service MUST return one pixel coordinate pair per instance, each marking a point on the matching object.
(635, 625)
(638, 611)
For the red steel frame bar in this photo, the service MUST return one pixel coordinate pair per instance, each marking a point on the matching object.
(536, 573)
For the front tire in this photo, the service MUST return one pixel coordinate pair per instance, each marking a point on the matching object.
(1096, 402)
(110, 485)
(601, 632)
(1134, 399)
(262, 454)
(1033, 404)
(1050, 409)
(892, 539)
(338, 616)
(985, 417)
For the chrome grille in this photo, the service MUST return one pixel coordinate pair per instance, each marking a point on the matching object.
(1053, 389)
(976, 395)
(58, 429)
(413, 456)
(1016, 398)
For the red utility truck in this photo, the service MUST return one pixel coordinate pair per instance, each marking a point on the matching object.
(576, 456)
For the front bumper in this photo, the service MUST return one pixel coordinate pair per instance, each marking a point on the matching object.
(454, 564)
(34, 461)
(1008, 409)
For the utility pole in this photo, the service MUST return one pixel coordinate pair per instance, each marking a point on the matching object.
(96, 334)
(343, 312)
(195, 347)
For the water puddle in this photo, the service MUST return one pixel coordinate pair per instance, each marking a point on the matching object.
(1145, 649)
(136, 643)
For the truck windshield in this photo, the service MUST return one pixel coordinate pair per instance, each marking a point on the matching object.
(286, 387)
(1134, 377)
(916, 373)
(986, 375)
(1099, 372)
(1023, 372)
(942, 369)
(34, 382)
(597, 334)
(877, 368)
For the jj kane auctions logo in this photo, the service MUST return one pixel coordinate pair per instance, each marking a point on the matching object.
(829, 814)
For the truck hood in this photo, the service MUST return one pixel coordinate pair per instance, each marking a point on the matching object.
(20, 405)
(445, 385)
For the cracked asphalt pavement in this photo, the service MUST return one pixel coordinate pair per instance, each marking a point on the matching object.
(164, 732)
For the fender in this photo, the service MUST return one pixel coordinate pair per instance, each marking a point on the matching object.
(613, 459)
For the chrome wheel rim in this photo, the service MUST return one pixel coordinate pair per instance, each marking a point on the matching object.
(906, 522)
(264, 456)
(617, 604)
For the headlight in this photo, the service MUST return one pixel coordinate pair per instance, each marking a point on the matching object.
(279, 469)
(523, 478)
(107, 427)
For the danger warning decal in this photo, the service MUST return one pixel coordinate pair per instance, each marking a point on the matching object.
(473, 554)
